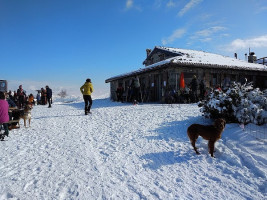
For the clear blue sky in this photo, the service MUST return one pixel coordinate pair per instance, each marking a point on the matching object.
(62, 42)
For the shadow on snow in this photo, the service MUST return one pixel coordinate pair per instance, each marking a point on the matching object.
(100, 103)
(177, 131)
(104, 103)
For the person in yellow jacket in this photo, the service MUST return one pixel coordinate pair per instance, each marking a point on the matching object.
(87, 90)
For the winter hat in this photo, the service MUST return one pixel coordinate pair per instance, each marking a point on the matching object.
(88, 80)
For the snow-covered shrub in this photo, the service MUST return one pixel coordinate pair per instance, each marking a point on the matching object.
(240, 103)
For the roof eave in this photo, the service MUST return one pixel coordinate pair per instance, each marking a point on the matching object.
(198, 65)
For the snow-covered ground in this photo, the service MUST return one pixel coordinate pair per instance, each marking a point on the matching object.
(122, 151)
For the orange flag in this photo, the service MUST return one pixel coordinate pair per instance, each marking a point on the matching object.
(182, 85)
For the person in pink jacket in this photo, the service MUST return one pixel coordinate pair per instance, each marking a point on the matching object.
(4, 117)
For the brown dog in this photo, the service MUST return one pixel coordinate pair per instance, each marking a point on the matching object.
(212, 133)
(27, 114)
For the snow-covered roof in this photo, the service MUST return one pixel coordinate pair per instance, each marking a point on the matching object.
(201, 57)
(194, 58)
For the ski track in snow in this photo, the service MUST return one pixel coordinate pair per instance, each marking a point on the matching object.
(122, 151)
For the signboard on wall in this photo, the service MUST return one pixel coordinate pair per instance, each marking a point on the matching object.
(3, 85)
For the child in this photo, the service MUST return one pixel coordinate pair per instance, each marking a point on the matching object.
(4, 117)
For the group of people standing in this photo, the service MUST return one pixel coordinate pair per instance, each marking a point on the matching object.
(20, 98)
(133, 91)
(11, 107)
(44, 96)
(193, 92)
(188, 94)
(12, 104)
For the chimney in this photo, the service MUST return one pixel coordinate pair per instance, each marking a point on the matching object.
(252, 57)
(148, 51)
(235, 55)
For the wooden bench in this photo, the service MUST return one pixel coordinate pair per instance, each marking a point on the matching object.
(13, 121)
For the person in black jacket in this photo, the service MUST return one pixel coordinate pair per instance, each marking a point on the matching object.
(119, 92)
(21, 97)
(49, 96)
(202, 89)
(194, 86)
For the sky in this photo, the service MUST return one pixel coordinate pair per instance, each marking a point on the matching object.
(60, 43)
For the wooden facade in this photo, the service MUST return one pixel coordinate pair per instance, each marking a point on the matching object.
(155, 81)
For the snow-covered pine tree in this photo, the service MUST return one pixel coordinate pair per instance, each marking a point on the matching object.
(240, 103)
